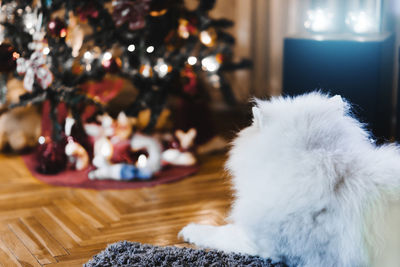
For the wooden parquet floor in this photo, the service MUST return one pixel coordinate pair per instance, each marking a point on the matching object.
(46, 225)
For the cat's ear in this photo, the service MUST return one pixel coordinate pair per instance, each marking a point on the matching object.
(339, 103)
(337, 99)
(257, 117)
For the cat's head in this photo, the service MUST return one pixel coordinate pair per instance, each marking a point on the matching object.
(285, 128)
(303, 108)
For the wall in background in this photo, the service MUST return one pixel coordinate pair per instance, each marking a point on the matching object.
(260, 26)
(239, 11)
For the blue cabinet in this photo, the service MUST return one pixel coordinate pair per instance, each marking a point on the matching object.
(359, 68)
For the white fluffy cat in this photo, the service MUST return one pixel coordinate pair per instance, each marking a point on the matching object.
(309, 186)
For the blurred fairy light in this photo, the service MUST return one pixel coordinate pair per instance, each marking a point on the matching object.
(88, 56)
(192, 60)
(161, 68)
(319, 20)
(41, 140)
(210, 63)
(131, 48)
(46, 51)
(107, 56)
(361, 22)
(208, 37)
(29, 24)
(7, 11)
(146, 70)
(205, 38)
(150, 49)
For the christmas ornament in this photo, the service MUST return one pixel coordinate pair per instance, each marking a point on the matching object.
(19, 127)
(38, 43)
(35, 70)
(151, 164)
(8, 57)
(57, 28)
(189, 78)
(181, 155)
(124, 127)
(103, 148)
(75, 35)
(103, 151)
(31, 19)
(120, 172)
(50, 155)
(105, 91)
(7, 11)
(76, 153)
(143, 169)
(131, 13)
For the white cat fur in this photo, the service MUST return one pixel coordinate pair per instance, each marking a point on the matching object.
(309, 186)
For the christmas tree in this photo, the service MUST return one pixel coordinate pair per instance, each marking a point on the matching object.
(57, 47)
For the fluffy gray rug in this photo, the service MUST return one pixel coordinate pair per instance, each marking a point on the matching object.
(135, 254)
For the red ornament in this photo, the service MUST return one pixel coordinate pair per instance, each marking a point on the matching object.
(51, 156)
(132, 13)
(190, 80)
(88, 10)
(8, 58)
(57, 28)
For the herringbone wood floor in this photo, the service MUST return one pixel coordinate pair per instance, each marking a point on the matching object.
(47, 225)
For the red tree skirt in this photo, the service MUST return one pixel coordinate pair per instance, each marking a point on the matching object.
(79, 179)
